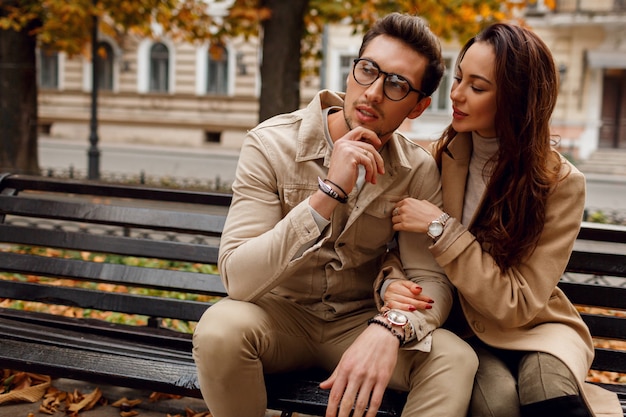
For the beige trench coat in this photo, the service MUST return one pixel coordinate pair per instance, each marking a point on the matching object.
(521, 309)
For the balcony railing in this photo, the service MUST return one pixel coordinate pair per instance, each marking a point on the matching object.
(591, 6)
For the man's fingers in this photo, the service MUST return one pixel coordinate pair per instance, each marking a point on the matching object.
(375, 400)
(362, 400)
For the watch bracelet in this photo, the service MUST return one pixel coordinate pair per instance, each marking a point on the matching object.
(388, 327)
(443, 220)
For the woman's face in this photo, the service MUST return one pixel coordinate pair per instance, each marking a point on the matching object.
(473, 92)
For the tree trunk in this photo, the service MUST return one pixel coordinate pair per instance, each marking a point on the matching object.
(280, 66)
(18, 102)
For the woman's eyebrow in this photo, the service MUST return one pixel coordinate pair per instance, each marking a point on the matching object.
(474, 76)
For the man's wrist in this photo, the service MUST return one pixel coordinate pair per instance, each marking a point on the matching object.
(381, 321)
(331, 192)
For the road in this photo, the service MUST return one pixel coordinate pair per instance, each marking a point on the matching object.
(607, 193)
(126, 159)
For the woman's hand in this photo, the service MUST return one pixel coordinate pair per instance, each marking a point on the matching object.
(406, 295)
(412, 215)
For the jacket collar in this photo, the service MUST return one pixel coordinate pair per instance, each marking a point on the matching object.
(313, 145)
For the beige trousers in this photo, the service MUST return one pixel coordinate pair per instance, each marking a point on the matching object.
(235, 342)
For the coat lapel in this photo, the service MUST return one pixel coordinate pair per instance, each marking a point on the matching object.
(455, 167)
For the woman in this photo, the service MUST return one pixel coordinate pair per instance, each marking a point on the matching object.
(513, 207)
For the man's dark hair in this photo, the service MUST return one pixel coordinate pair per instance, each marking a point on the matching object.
(415, 32)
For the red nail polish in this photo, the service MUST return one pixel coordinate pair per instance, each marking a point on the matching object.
(412, 308)
(428, 306)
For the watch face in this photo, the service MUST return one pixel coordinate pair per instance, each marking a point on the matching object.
(435, 228)
(397, 318)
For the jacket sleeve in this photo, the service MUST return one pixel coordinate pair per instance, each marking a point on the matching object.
(260, 241)
(514, 297)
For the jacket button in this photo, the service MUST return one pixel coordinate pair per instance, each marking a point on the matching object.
(478, 326)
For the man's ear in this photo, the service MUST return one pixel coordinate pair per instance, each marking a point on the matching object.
(419, 108)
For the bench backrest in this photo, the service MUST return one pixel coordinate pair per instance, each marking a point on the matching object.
(111, 221)
(596, 277)
(138, 221)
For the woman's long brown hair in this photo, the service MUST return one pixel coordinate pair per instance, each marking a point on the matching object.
(511, 220)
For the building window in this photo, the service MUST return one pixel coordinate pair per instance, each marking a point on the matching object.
(345, 69)
(212, 137)
(48, 69)
(104, 66)
(159, 68)
(441, 97)
(217, 70)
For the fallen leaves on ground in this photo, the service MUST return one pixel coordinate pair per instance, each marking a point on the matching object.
(72, 403)
(15, 380)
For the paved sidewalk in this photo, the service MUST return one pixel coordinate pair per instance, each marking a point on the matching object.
(162, 408)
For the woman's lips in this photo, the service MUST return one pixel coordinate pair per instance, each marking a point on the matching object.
(457, 114)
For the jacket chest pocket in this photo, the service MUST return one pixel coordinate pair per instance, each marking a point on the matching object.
(374, 228)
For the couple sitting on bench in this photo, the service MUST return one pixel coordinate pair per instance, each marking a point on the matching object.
(491, 216)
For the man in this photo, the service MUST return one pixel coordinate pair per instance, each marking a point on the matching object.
(302, 246)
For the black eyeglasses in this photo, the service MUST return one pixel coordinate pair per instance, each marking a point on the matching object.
(395, 87)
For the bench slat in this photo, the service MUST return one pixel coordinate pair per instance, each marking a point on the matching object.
(152, 218)
(306, 396)
(190, 252)
(104, 301)
(137, 276)
(602, 232)
(594, 295)
(102, 367)
(615, 360)
(153, 336)
(27, 182)
(19, 330)
(597, 263)
(607, 327)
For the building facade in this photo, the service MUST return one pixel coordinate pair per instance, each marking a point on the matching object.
(199, 96)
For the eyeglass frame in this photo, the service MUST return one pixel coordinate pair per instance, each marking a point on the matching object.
(387, 75)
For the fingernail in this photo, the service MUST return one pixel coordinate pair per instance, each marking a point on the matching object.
(431, 301)
(412, 308)
(428, 306)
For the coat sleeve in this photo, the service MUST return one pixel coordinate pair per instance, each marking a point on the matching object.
(412, 260)
(514, 297)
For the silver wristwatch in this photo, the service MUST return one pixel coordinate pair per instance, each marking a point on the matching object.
(435, 228)
(398, 318)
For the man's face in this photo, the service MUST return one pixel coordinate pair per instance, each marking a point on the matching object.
(368, 106)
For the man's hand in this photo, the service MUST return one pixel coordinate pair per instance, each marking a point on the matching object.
(357, 147)
(363, 373)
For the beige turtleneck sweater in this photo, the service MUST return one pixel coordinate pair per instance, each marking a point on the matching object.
(478, 176)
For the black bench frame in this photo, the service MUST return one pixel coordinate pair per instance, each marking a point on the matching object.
(183, 226)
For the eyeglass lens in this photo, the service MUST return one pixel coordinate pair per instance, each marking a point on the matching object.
(395, 87)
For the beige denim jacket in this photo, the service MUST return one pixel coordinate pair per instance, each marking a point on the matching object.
(269, 221)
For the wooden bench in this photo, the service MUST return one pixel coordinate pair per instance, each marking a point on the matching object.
(143, 223)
